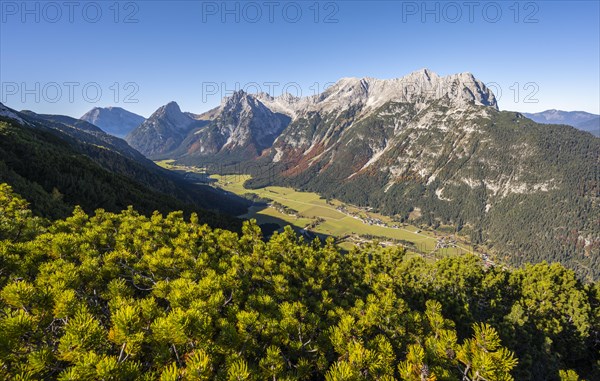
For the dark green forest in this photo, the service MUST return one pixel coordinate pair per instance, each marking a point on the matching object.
(55, 172)
(128, 296)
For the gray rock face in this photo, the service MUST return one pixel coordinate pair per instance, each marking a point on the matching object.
(113, 120)
(419, 88)
(371, 116)
(162, 132)
(240, 129)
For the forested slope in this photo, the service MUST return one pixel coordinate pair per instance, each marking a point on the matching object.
(127, 297)
(56, 171)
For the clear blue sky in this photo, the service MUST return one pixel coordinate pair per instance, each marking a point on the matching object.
(194, 51)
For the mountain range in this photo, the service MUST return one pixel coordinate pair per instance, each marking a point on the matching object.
(433, 150)
(251, 122)
(578, 119)
(113, 120)
(58, 162)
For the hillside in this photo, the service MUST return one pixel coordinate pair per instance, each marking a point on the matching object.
(58, 166)
(129, 297)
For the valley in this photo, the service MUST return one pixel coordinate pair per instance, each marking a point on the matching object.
(349, 224)
(312, 215)
(430, 151)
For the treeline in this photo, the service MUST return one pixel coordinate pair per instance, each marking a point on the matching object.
(129, 297)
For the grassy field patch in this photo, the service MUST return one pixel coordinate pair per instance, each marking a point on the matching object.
(353, 224)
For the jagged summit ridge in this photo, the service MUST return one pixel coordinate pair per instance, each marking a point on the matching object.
(171, 112)
(420, 87)
(162, 132)
(241, 127)
(254, 121)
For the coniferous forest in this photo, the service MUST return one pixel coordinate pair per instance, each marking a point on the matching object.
(124, 296)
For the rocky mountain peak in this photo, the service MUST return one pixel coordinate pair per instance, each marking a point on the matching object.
(239, 96)
(419, 88)
(286, 103)
(465, 87)
(113, 120)
(171, 108)
(288, 98)
(162, 132)
(242, 104)
(423, 75)
(172, 114)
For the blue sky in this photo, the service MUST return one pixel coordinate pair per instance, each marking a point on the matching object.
(66, 59)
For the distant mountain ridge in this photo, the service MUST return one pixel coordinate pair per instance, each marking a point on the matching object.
(85, 132)
(115, 121)
(581, 120)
